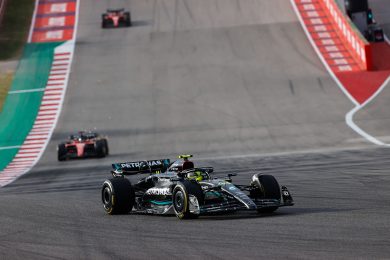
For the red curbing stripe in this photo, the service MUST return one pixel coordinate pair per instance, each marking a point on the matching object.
(25, 157)
(39, 131)
(18, 164)
(28, 152)
(44, 124)
(50, 98)
(34, 143)
(49, 119)
(53, 89)
(58, 69)
(8, 171)
(23, 160)
(13, 169)
(48, 109)
(29, 138)
(62, 54)
(60, 64)
(35, 134)
(48, 114)
(62, 59)
(55, 84)
(58, 93)
(55, 79)
(18, 167)
(40, 120)
(33, 148)
(51, 104)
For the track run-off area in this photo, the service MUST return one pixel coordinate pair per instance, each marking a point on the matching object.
(237, 84)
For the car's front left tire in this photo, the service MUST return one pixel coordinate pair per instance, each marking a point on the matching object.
(187, 196)
(118, 196)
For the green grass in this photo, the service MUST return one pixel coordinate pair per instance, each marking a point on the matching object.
(5, 84)
(15, 27)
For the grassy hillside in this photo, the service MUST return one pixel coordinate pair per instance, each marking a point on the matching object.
(15, 27)
(14, 31)
(5, 83)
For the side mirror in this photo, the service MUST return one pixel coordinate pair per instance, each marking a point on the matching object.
(117, 173)
(229, 177)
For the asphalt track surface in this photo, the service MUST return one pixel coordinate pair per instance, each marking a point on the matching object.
(237, 84)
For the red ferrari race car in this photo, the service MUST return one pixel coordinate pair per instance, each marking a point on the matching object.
(83, 145)
(116, 18)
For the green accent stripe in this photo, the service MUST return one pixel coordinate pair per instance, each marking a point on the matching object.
(19, 111)
(161, 202)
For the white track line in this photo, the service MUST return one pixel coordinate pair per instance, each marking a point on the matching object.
(26, 91)
(10, 147)
(349, 116)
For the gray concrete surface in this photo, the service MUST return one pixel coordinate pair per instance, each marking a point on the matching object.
(217, 79)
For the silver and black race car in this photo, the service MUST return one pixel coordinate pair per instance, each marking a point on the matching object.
(184, 190)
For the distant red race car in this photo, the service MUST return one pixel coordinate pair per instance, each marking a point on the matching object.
(116, 18)
(83, 145)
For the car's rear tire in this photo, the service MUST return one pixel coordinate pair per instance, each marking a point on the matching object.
(267, 187)
(100, 147)
(104, 23)
(61, 152)
(118, 196)
(128, 19)
(106, 146)
(181, 199)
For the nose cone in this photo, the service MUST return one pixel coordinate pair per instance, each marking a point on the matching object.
(239, 195)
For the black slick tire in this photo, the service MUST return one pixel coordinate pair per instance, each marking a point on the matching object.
(269, 189)
(106, 146)
(117, 196)
(104, 23)
(61, 152)
(100, 147)
(181, 198)
(128, 19)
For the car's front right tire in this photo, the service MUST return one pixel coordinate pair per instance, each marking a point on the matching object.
(266, 187)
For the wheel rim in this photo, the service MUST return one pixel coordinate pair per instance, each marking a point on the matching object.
(107, 196)
(179, 201)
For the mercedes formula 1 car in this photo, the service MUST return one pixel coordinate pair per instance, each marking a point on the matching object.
(116, 18)
(187, 191)
(82, 145)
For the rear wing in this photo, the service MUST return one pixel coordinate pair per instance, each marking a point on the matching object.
(115, 10)
(151, 166)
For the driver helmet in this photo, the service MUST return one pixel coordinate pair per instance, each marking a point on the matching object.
(195, 175)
